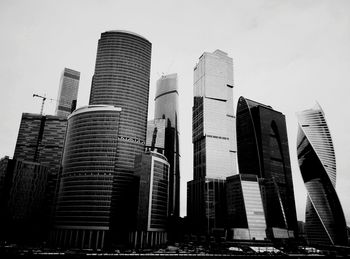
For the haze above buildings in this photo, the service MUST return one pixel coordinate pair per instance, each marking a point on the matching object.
(285, 53)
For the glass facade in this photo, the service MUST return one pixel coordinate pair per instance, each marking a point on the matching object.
(262, 146)
(41, 139)
(67, 92)
(22, 201)
(244, 206)
(213, 115)
(152, 169)
(206, 204)
(155, 139)
(213, 138)
(83, 210)
(121, 79)
(324, 219)
(167, 108)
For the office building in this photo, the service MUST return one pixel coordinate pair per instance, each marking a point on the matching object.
(121, 79)
(155, 139)
(213, 138)
(88, 181)
(152, 170)
(41, 140)
(167, 108)
(262, 146)
(22, 201)
(206, 205)
(245, 211)
(67, 92)
(324, 218)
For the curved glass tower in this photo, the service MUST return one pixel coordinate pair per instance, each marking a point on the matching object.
(324, 219)
(166, 107)
(121, 79)
(83, 209)
(262, 148)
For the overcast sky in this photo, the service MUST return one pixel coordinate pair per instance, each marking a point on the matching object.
(286, 54)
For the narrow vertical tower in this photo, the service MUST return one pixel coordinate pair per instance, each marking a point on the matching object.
(67, 92)
(324, 219)
(166, 107)
(213, 137)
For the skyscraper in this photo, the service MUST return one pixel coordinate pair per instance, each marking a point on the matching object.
(245, 208)
(167, 107)
(83, 211)
(152, 169)
(41, 139)
(67, 92)
(121, 79)
(213, 138)
(324, 219)
(262, 146)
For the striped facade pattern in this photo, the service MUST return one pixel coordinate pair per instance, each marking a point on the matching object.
(68, 92)
(83, 211)
(324, 221)
(121, 79)
(41, 139)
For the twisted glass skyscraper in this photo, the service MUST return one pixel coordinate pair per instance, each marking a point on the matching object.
(324, 219)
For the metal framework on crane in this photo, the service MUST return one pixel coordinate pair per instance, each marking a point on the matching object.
(43, 101)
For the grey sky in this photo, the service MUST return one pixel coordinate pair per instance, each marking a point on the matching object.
(286, 54)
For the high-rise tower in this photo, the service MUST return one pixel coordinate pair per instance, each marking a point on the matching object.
(324, 219)
(262, 148)
(84, 205)
(166, 107)
(213, 138)
(120, 81)
(41, 139)
(67, 92)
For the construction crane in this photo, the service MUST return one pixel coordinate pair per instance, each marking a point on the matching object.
(43, 101)
(44, 98)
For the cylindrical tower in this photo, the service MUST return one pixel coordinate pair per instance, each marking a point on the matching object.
(121, 79)
(167, 99)
(166, 107)
(83, 210)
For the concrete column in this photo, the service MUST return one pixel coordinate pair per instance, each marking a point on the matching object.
(70, 237)
(98, 239)
(141, 243)
(103, 239)
(135, 239)
(60, 238)
(90, 236)
(83, 239)
(76, 237)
